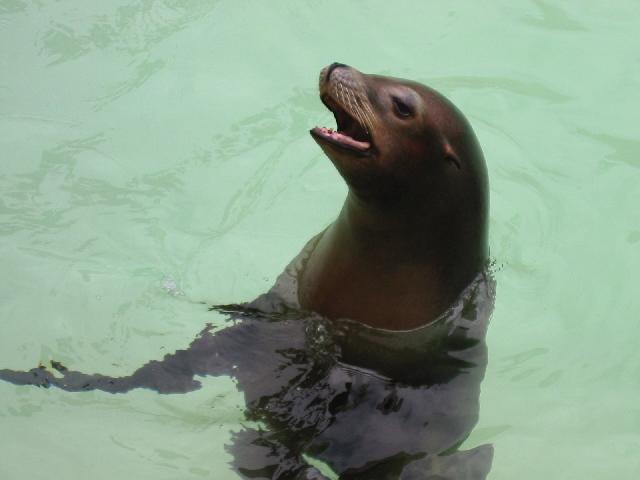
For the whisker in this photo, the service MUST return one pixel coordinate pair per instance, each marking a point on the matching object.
(366, 110)
(346, 97)
(355, 103)
(352, 108)
(358, 111)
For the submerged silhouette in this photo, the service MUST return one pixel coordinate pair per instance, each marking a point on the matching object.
(370, 403)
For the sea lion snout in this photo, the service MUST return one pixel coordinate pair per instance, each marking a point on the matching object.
(342, 91)
(333, 66)
(325, 73)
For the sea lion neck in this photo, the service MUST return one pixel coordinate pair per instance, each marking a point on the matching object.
(361, 264)
(444, 242)
(395, 221)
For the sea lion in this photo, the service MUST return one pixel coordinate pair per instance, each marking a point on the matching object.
(412, 232)
(384, 383)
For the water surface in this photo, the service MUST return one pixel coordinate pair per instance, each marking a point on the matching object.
(156, 154)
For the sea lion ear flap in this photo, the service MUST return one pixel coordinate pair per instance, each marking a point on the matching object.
(450, 155)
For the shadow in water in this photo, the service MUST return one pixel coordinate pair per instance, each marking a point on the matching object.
(370, 404)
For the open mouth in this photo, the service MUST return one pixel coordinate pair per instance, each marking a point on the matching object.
(350, 134)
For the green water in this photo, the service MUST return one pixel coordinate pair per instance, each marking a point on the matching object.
(156, 154)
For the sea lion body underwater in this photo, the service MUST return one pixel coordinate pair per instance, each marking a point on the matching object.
(388, 387)
(412, 233)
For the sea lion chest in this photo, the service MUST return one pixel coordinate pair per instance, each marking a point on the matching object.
(374, 280)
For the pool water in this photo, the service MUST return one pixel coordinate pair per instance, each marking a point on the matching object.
(156, 155)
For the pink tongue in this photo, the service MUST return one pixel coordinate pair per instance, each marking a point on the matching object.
(340, 137)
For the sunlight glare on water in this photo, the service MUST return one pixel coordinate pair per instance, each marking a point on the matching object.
(156, 155)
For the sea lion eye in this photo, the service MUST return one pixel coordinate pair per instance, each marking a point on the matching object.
(402, 109)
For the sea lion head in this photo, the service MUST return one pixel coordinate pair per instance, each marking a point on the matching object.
(400, 142)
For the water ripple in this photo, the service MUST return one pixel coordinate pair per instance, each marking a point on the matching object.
(132, 29)
(553, 17)
(527, 88)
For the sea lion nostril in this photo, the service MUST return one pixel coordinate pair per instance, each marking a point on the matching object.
(333, 66)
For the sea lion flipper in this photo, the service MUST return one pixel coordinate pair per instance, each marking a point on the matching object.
(261, 454)
(39, 377)
(173, 374)
(474, 464)
(82, 382)
(70, 381)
